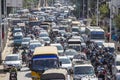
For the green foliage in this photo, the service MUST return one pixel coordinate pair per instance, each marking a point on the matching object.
(28, 3)
(117, 21)
(93, 22)
(104, 10)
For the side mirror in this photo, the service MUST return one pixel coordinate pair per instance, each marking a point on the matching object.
(118, 48)
(30, 64)
(2, 62)
(60, 63)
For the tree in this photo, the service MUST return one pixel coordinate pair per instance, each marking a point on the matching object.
(104, 10)
(29, 3)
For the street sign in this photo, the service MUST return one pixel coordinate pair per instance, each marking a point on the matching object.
(14, 3)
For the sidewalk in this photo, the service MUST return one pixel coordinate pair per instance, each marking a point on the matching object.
(7, 50)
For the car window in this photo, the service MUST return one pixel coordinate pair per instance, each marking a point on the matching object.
(64, 60)
(73, 52)
(83, 70)
(11, 58)
(117, 63)
(59, 47)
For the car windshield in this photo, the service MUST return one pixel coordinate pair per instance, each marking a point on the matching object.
(44, 63)
(59, 47)
(77, 48)
(84, 70)
(53, 79)
(26, 40)
(117, 63)
(43, 35)
(64, 60)
(46, 39)
(70, 52)
(11, 58)
(75, 30)
(34, 46)
(17, 37)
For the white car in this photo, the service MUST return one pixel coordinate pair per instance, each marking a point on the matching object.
(46, 39)
(65, 63)
(70, 53)
(116, 68)
(32, 46)
(84, 72)
(12, 60)
(25, 42)
(59, 48)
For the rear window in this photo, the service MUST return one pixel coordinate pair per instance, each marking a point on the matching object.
(11, 58)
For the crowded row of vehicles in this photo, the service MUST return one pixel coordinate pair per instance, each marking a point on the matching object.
(56, 45)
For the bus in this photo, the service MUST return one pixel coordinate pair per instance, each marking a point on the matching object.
(95, 34)
(45, 57)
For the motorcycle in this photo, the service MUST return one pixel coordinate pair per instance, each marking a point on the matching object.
(13, 76)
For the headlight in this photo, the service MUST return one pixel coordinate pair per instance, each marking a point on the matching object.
(35, 78)
(77, 79)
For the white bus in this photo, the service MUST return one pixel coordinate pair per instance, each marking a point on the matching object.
(95, 34)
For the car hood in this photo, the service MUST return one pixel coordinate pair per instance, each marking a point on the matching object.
(66, 65)
(118, 67)
(98, 41)
(70, 56)
(89, 78)
(25, 42)
(85, 77)
(60, 51)
(12, 62)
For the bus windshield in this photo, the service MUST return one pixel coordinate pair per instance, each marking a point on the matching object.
(44, 63)
(97, 35)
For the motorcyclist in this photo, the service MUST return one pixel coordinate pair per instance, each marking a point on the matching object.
(13, 73)
(24, 54)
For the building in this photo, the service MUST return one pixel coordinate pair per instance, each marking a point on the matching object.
(115, 6)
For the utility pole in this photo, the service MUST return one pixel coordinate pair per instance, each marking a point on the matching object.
(0, 33)
(97, 16)
(110, 7)
(83, 9)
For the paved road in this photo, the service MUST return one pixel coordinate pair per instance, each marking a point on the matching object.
(24, 74)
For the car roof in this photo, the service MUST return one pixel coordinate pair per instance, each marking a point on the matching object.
(18, 33)
(12, 55)
(55, 44)
(61, 57)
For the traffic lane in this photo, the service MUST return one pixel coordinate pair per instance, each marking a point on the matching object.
(24, 74)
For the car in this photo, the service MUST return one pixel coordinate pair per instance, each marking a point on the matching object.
(12, 60)
(84, 72)
(117, 76)
(116, 68)
(18, 36)
(46, 39)
(32, 46)
(43, 34)
(59, 48)
(65, 63)
(25, 42)
(16, 29)
(70, 53)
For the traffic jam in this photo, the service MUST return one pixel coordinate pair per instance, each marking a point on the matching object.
(55, 45)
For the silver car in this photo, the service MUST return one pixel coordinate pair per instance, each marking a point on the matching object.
(12, 60)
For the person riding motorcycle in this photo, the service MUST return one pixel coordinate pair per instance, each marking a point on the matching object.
(24, 54)
(13, 73)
